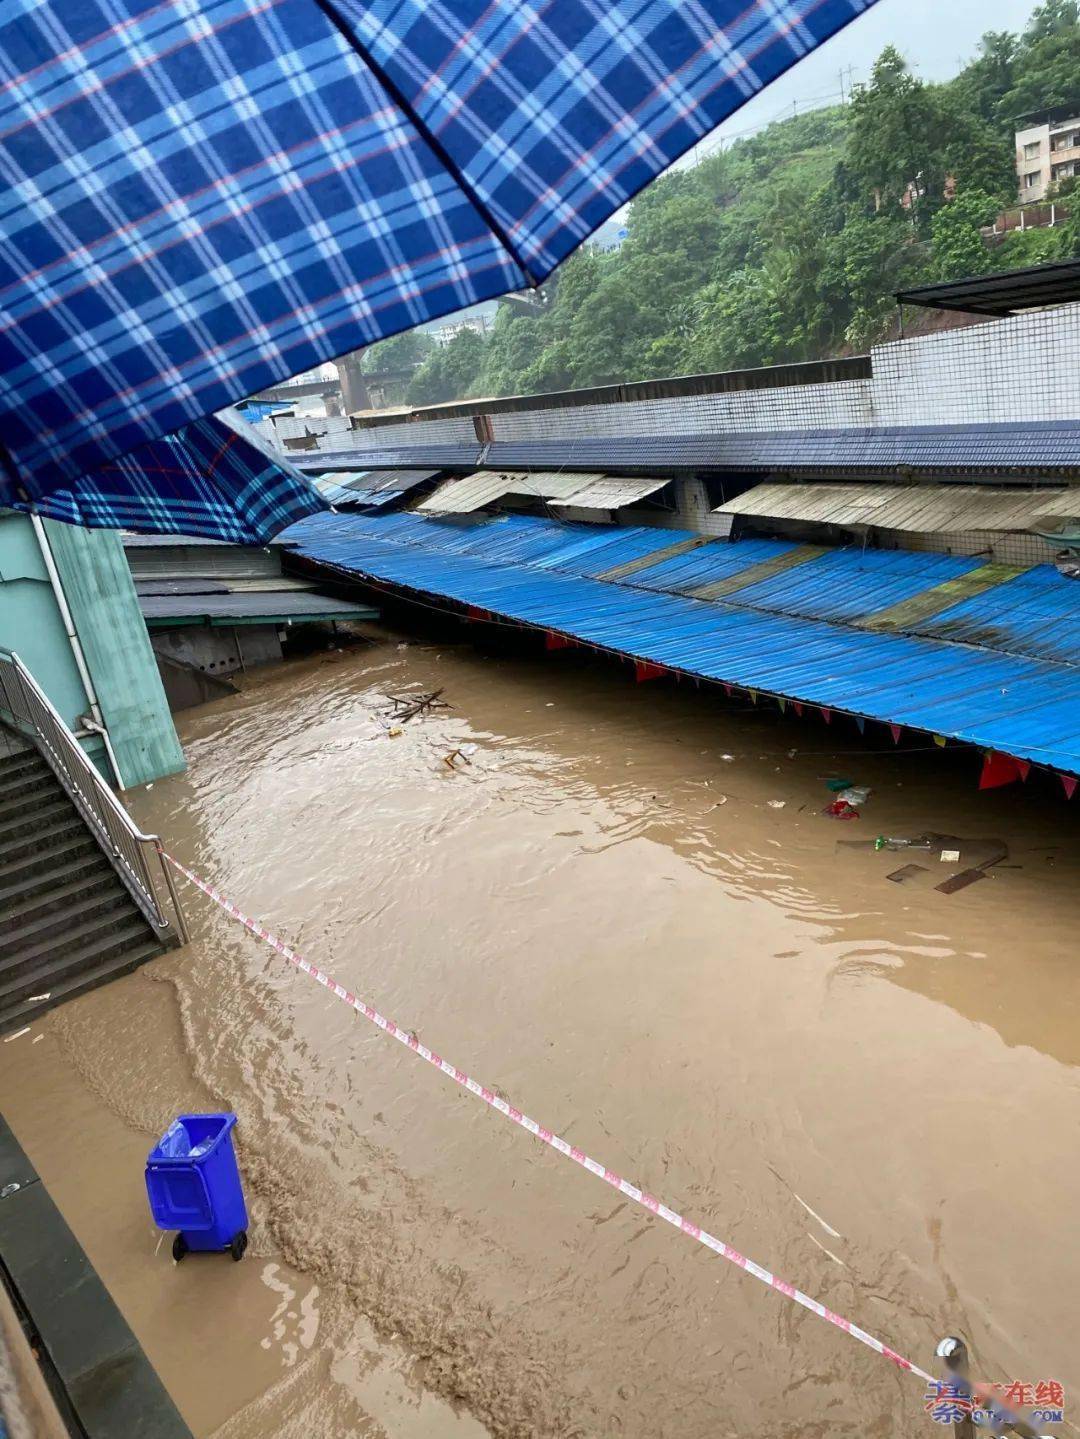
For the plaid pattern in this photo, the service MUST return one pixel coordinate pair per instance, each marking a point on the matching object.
(208, 479)
(202, 197)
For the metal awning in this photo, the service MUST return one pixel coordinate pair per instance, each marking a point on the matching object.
(465, 493)
(340, 172)
(382, 487)
(611, 492)
(1003, 293)
(237, 607)
(918, 508)
(471, 492)
(555, 485)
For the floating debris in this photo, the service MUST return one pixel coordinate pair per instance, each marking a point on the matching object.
(462, 753)
(907, 872)
(848, 802)
(407, 707)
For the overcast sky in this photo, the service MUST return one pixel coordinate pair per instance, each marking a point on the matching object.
(937, 37)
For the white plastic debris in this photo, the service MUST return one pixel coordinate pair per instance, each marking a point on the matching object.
(777, 803)
(17, 1035)
(950, 856)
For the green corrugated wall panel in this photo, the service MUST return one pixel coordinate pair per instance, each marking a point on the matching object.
(101, 596)
(30, 622)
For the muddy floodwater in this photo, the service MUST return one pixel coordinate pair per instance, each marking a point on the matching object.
(625, 911)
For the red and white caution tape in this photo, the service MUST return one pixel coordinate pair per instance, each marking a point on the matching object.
(554, 1141)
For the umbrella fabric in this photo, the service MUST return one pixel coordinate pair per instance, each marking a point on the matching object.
(203, 197)
(208, 479)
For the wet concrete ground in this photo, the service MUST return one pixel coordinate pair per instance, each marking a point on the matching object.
(870, 1087)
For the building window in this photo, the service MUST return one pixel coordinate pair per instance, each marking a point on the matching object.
(1031, 150)
(1031, 179)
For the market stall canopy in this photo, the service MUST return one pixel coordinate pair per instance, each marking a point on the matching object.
(463, 494)
(204, 199)
(924, 509)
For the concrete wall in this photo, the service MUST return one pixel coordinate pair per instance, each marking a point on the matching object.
(101, 597)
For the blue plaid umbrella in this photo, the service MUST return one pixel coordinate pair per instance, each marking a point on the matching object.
(203, 197)
(211, 478)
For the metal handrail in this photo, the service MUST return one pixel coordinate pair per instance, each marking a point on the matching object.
(135, 856)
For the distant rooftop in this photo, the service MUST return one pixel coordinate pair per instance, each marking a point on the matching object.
(1005, 293)
(1055, 115)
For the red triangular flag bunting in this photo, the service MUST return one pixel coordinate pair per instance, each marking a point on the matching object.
(644, 671)
(797, 707)
(1023, 767)
(896, 731)
(826, 715)
(1069, 783)
(997, 770)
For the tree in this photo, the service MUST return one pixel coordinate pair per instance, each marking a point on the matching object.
(895, 136)
(866, 263)
(449, 372)
(958, 248)
(791, 243)
(740, 323)
(400, 352)
(1047, 71)
(1022, 248)
(984, 83)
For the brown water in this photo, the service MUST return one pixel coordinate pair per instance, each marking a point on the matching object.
(872, 1088)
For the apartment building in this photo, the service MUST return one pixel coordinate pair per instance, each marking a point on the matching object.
(1047, 150)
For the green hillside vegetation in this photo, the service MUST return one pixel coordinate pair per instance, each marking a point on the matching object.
(789, 244)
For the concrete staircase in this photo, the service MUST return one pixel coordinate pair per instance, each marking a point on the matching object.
(67, 923)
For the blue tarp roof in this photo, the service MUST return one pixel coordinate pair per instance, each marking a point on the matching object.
(203, 199)
(539, 572)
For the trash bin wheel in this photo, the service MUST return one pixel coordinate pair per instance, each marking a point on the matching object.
(237, 1245)
(179, 1248)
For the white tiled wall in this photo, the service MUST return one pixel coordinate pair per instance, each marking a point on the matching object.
(1023, 368)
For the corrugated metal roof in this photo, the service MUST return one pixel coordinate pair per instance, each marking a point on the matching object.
(183, 585)
(1034, 614)
(552, 484)
(248, 606)
(1009, 448)
(337, 494)
(1029, 707)
(225, 562)
(471, 492)
(397, 481)
(714, 562)
(852, 584)
(465, 493)
(926, 508)
(610, 492)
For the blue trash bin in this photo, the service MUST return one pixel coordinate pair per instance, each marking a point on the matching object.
(194, 1187)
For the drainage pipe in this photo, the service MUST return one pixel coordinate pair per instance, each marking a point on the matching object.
(96, 722)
